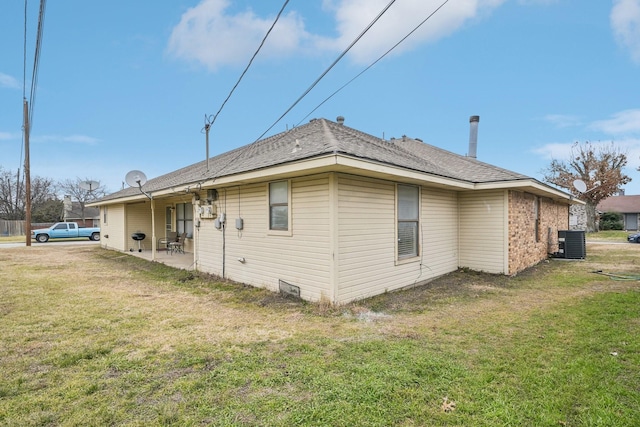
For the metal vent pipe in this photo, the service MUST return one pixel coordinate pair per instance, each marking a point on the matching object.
(473, 135)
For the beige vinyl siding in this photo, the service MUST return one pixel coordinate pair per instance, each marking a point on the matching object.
(300, 258)
(440, 232)
(483, 231)
(368, 262)
(138, 219)
(366, 237)
(114, 228)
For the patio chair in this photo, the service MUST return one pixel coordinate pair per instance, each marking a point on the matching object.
(178, 245)
(171, 236)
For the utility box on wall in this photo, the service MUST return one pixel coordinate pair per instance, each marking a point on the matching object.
(207, 211)
(571, 244)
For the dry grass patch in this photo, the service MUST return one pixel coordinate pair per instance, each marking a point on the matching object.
(98, 337)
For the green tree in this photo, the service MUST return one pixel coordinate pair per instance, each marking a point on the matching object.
(48, 211)
(598, 166)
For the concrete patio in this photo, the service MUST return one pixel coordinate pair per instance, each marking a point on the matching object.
(184, 261)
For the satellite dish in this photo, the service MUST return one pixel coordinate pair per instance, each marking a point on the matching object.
(135, 178)
(579, 185)
(89, 185)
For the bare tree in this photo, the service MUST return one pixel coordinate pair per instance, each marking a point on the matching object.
(80, 191)
(599, 167)
(12, 194)
(11, 204)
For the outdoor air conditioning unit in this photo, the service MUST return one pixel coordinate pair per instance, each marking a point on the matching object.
(571, 244)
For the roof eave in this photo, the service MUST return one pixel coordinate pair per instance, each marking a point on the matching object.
(340, 162)
(530, 185)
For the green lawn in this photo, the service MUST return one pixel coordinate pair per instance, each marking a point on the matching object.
(95, 337)
(609, 235)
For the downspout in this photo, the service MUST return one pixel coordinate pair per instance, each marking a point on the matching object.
(153, 229)
(224, 233)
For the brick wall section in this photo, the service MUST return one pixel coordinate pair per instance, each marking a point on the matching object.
(524, 249)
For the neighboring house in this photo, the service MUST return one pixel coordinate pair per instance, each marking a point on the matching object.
(72, 212)
(628, 206)
(338, 215)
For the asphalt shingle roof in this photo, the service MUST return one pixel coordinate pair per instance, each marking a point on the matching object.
(321, 137)
(620, 204)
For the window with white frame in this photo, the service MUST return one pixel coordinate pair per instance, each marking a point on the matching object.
(168, 222)
(408, 214)
(104, 215)
(184, 218)
(279, 205)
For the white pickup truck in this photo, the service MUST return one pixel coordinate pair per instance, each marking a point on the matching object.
(65, 230)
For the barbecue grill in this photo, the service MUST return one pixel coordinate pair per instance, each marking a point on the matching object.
(138, 237)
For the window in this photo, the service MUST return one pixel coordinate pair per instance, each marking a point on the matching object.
(279, 205)
(104, 215)
(184, 218)
(408, 221)
(168, 224)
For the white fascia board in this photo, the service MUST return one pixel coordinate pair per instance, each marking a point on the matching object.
(530, 185)
(336, 163)
(120, 200)
(400, 173)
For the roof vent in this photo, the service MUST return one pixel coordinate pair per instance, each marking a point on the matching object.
(473, 135)
(340, 120)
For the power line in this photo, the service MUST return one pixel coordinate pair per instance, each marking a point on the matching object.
(306, 92)
(24, 55)
(264, 39)
(36, 59)
(24, 93)
(374, 62)
(312, 85)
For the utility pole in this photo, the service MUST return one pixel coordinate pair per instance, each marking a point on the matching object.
(207, 126)
(27, 175)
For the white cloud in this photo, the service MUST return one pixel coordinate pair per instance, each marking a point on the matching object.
(7, 136)
(556, 150)
(353, 16)
(8, 81)
(209, 34)
(562, 151)
(74, 139)
(563, 120)
(535, 2)
(625, 21)
(631, 147)
(624, 122)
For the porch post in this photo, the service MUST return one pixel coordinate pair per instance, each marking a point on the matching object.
(153, 230)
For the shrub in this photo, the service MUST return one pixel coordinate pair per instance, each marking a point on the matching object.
(611, 221)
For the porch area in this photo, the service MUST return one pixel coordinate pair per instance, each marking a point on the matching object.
(184, 261)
